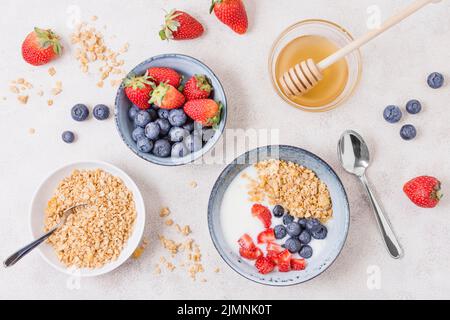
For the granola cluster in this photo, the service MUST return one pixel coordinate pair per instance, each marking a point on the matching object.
(292, 186)
(95, 234)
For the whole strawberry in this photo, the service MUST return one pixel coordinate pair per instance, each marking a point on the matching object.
(167, 75)
(198, 87)
(40, 47)
(204, 111)
(424, 191)
(232, 13)
(179, 25)
(166, 96)
(138, 89)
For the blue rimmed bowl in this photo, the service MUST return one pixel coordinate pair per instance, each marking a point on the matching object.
(337, 226)
(187, 67)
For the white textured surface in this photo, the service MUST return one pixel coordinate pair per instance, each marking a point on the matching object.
(395, 69)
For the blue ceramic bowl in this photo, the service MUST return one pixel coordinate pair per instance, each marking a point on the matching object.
(186, 66)
(337, 226)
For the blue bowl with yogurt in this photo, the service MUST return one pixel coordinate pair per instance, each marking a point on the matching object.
(187, 67)
(229, 215)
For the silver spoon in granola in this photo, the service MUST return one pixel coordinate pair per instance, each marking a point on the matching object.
(12, 259)
(355, 158)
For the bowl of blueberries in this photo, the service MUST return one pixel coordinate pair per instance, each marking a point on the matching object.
(171, 109)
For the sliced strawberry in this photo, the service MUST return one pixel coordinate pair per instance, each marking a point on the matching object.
(284, 261)
(246, 242)
(273, 251)
(262, 213)
(266, 236)
(250, 254)
(298, 264)
(264, 265)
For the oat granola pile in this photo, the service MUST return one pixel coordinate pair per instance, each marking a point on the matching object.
(93, 235)
(292, 186)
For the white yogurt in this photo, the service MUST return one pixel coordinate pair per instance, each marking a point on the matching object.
(237, 219)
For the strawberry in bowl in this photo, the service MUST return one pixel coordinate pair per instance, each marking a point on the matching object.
(171, 109)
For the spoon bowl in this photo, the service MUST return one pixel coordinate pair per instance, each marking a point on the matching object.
(353, 153)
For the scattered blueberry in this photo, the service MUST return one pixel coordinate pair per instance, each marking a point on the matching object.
(152, 131)
(179, 150)
(68, 136)
(163, 113)
(306, 251)
(162, 148)
(101, 112)
(142, 118)
(287, 218)
(207, 134)
(79, 112)
(302, 222)
(177, 134)
(164, 125)
(312, 223)
(189, 126)
(435, 80)
(319, 232)
(392, 114)
(278, 211)
(153, 114)
(293, 229)
(408, 132)
(413, 106)
(144, 145)
(177, 117)
(133, 111)
(280, 231)
(293, 245)
(138, 133)
(193, 142)
(305, 237)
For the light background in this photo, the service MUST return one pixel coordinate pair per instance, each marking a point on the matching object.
(395, 69)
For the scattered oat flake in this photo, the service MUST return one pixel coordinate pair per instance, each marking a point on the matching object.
(14, 89)
(23, 99)
(193, 184)
(217, 270)
(186, 230)
(138, 252)
(169, 222)
(164, 212)
(31, 131)
(170, 266)
(51, 71)
(50, 102)
(100, 84)
(94, 18)
(157, 270)
(169, 244)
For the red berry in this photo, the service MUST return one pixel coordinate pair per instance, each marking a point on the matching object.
(232, 13)
(138, 90)
(264, 265)
(273, 250)
(284, 261)
(40, 47)
(167, 75)
(204, 111)
(246, 242)
(198, 87)
(262, 213)
(250, 254)
(179, 25)
(266, 236)
(424, 191)
(298, 264)
(166, 96)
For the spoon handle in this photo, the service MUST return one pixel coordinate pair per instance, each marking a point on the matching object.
(384, 225)
(12, 259)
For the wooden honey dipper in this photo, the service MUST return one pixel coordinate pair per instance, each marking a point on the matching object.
(306, 75)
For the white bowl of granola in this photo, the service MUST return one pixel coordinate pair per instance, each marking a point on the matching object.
(99, 237)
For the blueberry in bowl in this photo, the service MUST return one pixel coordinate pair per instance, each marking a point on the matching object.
(185, 134)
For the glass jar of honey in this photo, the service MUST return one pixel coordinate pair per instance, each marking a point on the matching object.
(316, 39)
